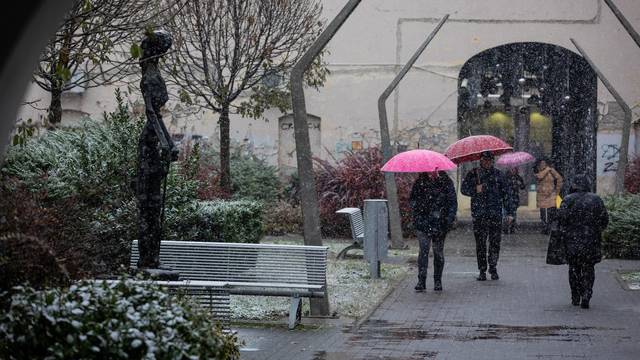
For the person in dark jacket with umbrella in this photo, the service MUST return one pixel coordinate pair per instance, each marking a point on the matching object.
(488, 189)
(515, 185)
(582, 217)
(434, 206)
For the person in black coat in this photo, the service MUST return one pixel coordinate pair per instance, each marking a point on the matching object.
(434, 206)
(515, 184)
(582, 217)
(488, 189)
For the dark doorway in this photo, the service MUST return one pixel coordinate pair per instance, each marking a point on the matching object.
(541, 98)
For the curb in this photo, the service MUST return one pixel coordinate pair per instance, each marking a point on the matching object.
(358, 322)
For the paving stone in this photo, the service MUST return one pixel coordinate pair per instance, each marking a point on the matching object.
(526, 314)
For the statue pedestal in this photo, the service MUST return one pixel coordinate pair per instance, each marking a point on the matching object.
(161, 274)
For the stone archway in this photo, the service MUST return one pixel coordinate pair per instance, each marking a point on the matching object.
(539, 97)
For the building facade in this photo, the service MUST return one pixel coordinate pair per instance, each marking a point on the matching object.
(426, 110)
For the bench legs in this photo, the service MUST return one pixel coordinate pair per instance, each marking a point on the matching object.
(355, 245)
(295, 313)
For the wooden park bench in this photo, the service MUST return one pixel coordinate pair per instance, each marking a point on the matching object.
(293, 271)
(357, 229)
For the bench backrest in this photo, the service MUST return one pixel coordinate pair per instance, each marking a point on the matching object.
(243, 263)
(357, 222)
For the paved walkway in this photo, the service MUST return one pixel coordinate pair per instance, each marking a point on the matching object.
(525, 315)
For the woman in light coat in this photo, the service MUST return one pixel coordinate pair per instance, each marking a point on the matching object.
(548, 185)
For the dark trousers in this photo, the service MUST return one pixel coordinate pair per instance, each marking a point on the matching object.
(425, 240)
(581, 277)
(548, 216)
(487, 229)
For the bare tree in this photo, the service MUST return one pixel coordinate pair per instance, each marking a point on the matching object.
(93, 46)
(223, 48)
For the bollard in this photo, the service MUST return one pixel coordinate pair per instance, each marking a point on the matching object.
(376, 232)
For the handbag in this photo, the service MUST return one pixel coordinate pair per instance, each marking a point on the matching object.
(556, 252)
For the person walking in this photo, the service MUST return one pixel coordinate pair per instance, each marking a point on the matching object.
(434, 206)
(515, 183)
(489, 194)
(548, 185)
(582, 217)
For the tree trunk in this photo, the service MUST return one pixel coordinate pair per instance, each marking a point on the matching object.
(55, 107)
(225, 144)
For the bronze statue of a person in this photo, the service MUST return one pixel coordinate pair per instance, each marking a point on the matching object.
(155, 150)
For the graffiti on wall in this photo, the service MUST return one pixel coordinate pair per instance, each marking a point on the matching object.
(609, 152)
(610, 157)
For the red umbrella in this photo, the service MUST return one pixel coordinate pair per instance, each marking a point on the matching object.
(471, 147)
(418, 161)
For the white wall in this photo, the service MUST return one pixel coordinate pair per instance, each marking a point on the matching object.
(381, 35)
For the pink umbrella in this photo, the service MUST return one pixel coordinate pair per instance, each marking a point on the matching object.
(418, 161)
(515, 159)
(471, 147)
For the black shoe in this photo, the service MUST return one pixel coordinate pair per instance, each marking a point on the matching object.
(437, 285)
(420, 287)
(584, 303)
(482, 276)
(575, 301)
(494, 275)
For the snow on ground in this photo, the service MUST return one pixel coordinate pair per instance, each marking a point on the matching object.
(632, 279)
(352, 292)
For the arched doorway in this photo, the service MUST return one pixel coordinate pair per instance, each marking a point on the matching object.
(540, 98)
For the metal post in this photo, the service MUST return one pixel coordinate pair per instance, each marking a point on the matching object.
(308, 196)
(376, 218)
(387, 152)
(626, 126)
(623, 20)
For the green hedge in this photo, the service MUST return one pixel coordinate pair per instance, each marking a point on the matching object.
(122, 320)
(227, 221)
(621, 239)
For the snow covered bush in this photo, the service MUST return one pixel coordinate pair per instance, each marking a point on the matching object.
(620, 239)
(95, 161)
(217, 220)
(73, 189)
(121, 320)
(253, 179)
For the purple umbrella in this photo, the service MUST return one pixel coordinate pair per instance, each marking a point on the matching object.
(515, 159)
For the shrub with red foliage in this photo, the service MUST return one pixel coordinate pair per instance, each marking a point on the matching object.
(352, 180)
(60, 226)
(632, 176)
(202, 169)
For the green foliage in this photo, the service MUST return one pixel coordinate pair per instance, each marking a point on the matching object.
(82, 179)
(620, 239)
(226, 221)
(136, 51)
(23, 133)
(253, 179)
(97, 160)
(122, 320)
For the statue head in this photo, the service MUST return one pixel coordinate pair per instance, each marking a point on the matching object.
(155, 44)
